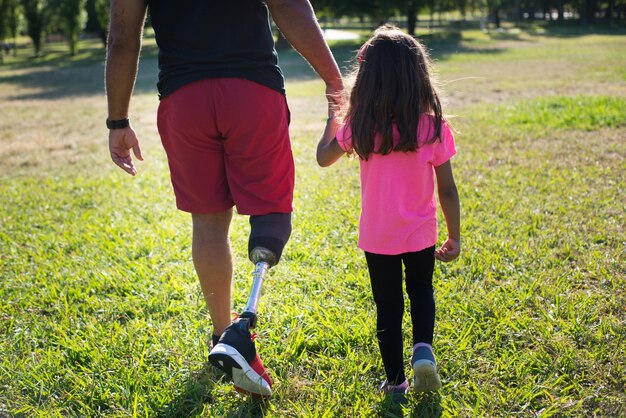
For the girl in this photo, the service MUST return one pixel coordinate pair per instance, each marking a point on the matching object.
(394, 124)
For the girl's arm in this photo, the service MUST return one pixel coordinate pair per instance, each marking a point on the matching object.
(328, 149)
(449, 200)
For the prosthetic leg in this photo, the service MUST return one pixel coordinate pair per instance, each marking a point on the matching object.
(235, 354)
(268, 237)
(263, 259)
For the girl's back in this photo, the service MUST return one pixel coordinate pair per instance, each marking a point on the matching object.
(399, 208)
(395, 125)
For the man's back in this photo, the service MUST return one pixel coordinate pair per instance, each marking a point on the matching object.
(200, 39)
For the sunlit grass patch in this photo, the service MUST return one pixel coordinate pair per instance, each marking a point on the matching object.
(101, 313)
(576, 113)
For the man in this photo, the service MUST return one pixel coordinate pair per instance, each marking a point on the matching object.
(223, 121)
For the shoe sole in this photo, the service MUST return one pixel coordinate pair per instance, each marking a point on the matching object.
(228, 360)
(425, 377)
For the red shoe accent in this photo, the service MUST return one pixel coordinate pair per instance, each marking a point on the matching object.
(257, 365)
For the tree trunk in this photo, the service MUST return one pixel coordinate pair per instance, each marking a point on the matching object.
(496, 17)
(411, 19)
(589, 11)
(560, 11)
(36, 19)
(609, 12)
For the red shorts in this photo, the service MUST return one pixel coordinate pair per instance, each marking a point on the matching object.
(227, 143)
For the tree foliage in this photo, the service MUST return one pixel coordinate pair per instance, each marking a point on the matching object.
(102, 16)
(36, 13)
(70, 17)
(13, 19)
(4, 8)
(586, 11)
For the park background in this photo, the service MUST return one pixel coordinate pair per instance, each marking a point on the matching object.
(100, 310)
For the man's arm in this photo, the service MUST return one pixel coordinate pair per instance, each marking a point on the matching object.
(123, 47)
(296, 20)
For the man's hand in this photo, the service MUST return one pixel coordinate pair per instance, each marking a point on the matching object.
(449, 250)
(120, 143)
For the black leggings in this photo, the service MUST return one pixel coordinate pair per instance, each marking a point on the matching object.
(386, 278)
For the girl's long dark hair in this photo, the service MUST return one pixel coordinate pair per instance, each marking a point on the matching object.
(393, 85)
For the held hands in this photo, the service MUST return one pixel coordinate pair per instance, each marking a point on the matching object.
(334, 95)
(449, 250)
(120, 143)
(328, 150)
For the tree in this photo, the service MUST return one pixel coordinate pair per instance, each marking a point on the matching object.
(493, 11)
(102, 15)
(71, 18)
(411, 17)
(378, 10)
(9, 19)
(4, 12)
(36, 14)
(462, 6)
(13, 25)
(588, 12)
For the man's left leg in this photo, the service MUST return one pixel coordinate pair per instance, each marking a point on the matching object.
(214, 265)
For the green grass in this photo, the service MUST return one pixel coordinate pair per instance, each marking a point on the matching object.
(101, 313)
(546, 115)
(586, 113)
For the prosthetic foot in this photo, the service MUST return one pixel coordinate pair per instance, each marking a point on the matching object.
(235, 353)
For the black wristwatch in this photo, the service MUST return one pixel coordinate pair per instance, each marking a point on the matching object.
(118, 124)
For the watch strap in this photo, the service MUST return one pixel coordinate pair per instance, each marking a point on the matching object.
(118, 124)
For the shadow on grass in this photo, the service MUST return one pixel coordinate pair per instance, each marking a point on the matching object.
(571, 29)
(55, 54)
(442, 46)
(413, 405)
(426, 405)
(52, 82)
(57, 75)
(196, 395)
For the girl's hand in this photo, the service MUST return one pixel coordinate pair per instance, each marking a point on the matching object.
(328, 149)
(449, 250)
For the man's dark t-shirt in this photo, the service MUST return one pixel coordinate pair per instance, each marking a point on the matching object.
(200, 39)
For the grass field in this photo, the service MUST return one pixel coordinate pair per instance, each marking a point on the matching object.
(101, 313)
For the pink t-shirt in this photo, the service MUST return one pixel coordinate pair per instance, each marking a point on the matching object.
(398, 203)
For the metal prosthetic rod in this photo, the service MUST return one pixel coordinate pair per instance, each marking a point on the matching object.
(263, 259)
(260, 270)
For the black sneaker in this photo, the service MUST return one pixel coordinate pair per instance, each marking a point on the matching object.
(236, 355)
